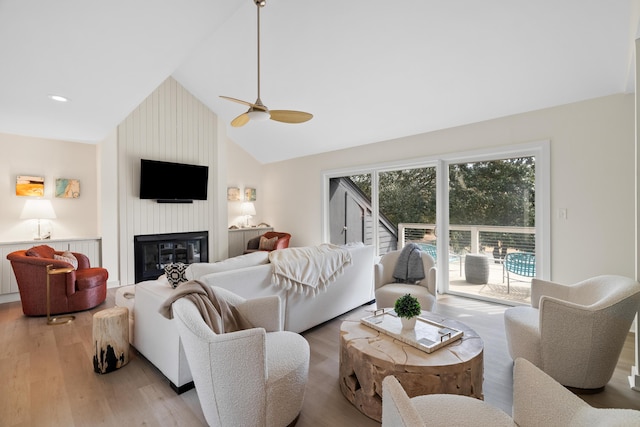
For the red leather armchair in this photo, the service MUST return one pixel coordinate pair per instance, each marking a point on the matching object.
(78, 290)
(253, 245)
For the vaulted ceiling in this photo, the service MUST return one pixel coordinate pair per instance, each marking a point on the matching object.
(369, 70)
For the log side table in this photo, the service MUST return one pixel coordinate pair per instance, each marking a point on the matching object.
(368, 356)
(110, 339)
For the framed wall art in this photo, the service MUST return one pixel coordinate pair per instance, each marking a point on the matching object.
(67, 188)
(233, 194)
(27, 185)
(249, 194)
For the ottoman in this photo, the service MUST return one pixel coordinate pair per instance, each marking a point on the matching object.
(476, 269)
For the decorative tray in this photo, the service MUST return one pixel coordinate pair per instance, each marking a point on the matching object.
(427, 336)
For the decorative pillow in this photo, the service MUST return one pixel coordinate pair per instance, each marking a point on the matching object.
(175, 273)
(42, 251)
(267, 244)
(67, 257)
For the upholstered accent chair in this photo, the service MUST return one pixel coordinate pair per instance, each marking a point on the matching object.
(574, 333)
(251, 377)
(538, 400)
(388, 291)
(81, 289)
(265, 242)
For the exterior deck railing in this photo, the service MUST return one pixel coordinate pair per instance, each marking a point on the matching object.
(464, 239)
(493, 241)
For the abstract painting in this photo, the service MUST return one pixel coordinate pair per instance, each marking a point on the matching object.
(67, 188)
(250, 194)
(29, 186)
(233, 194)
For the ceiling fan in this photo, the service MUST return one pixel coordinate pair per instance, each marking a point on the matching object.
(258, 111)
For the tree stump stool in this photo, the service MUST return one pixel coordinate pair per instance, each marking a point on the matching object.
(110, 339)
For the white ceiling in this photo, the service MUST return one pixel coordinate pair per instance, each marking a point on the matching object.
(369, 70)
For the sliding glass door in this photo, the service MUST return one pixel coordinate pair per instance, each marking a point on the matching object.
(492, 227)
(483, 216)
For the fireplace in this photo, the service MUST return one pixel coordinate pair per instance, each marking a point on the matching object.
(153, 251)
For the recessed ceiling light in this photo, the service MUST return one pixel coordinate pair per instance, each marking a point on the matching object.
(58, 98)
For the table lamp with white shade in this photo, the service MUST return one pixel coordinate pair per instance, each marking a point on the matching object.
(247, 210)
(40, 210)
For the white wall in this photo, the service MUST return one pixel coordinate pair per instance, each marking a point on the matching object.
(51, 159)
(592, 176)
(246, 172)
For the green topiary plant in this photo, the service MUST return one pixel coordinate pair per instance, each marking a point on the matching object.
(407, 306)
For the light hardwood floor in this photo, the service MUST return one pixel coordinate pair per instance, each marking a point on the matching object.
(47, 378)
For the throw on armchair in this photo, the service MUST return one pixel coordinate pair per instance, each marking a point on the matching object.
(266, 242)
(81, 289)
(250, 377)
(388, 291)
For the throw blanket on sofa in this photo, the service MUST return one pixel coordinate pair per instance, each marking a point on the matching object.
(217, 313)
(409, 267)
(308, 270)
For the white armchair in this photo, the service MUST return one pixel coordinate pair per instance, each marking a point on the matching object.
(538, 400)
(253, 377)
(387, 291)
(574, 333)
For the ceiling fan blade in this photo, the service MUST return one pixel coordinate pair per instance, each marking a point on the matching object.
(290, 116)
(240, 121)
(239, 101)
(258, 111)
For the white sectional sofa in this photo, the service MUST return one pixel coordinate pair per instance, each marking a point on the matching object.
(249, 276)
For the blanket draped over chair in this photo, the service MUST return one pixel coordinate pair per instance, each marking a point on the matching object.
(220, 315)
(409, 268)
(308, 270)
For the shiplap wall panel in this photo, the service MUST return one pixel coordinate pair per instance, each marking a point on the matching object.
(170, 125)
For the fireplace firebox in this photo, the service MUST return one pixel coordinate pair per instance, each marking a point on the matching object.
(153, 251)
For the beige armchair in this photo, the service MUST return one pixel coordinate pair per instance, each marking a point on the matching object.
(538, 400)
(387, 291)
(574, 333)
(252, 377)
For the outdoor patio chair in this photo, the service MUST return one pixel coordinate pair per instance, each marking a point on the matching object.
(520, 263)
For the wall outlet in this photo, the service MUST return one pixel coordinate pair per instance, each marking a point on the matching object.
(562, 213)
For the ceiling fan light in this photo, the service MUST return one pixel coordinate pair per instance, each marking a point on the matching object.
(258, 115)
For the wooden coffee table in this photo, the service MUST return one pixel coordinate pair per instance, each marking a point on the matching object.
(368, 356)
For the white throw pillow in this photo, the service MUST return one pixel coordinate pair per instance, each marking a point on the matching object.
(197, 270)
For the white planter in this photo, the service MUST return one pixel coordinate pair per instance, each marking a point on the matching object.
(408, 324)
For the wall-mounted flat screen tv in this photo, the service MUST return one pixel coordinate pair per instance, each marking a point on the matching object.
(169, 182)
